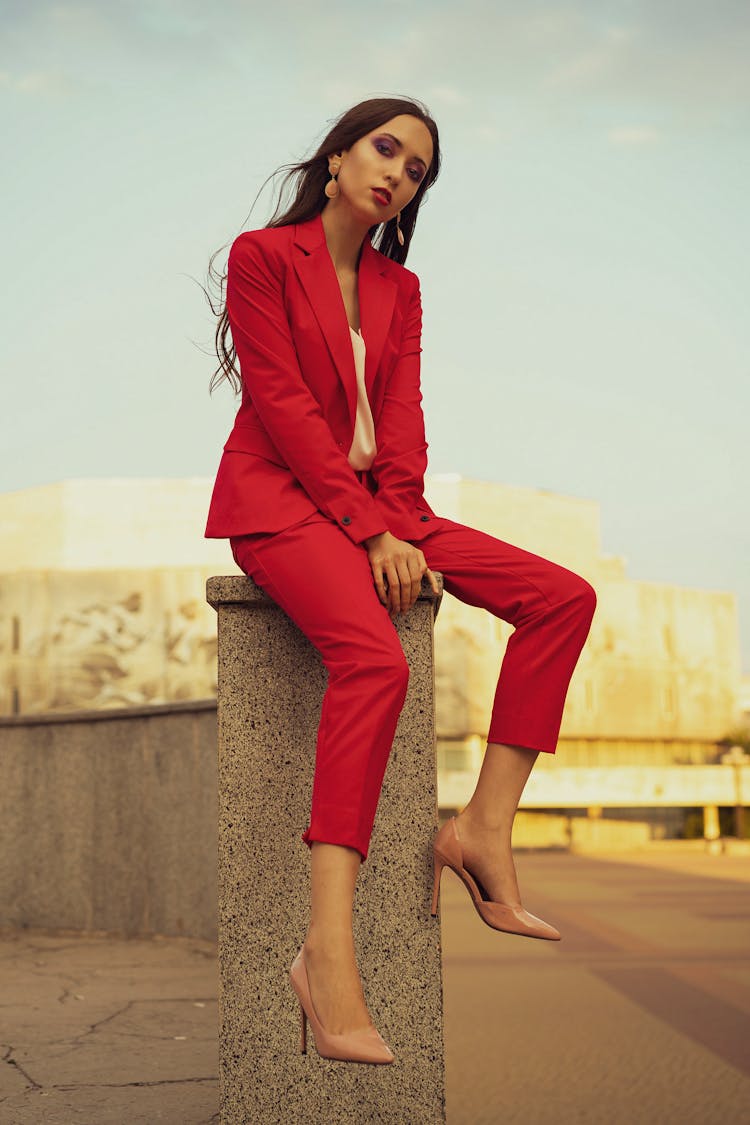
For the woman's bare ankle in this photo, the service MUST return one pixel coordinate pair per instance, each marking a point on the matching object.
(333, 937)
(498, 824)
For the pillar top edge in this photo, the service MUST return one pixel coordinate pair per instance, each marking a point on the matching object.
(223, 589)
(239, 589)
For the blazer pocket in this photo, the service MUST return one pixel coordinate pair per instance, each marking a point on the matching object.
(253, 439)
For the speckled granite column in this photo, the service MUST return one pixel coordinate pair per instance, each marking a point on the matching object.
(271, 685)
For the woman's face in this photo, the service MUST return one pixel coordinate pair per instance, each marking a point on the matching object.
(379, 161)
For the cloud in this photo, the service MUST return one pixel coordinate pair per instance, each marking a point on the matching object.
(689, 57)
(448, 95)
(591, 56)
(633, 135)
(692, 61)
(47, 83)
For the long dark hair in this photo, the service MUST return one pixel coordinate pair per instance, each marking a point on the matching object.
(310, 199)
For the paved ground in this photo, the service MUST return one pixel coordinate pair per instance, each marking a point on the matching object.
(639, 1016)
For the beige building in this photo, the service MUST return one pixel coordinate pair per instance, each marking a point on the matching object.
(659, 679)
(102, 604)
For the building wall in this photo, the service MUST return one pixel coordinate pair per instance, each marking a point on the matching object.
(110, 523)
(79, 639)
(660, 668)
(102, 603)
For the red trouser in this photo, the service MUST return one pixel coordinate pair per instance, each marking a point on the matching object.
(324, 583)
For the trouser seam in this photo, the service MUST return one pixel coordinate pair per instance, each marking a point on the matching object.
(501, 566)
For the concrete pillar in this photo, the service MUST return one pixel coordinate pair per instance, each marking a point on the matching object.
(710, 822)
(271, 683)
(711, 829)
(737, 757)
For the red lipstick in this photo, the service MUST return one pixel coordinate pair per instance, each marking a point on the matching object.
(382, 195)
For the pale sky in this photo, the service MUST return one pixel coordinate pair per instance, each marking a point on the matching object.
(584, 254)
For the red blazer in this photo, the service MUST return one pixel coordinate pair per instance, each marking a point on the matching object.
(286, 456)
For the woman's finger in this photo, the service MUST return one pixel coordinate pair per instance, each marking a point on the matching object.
(433, 580)
(404, 578)
(394, 586)
(416, 578)
(377, 575)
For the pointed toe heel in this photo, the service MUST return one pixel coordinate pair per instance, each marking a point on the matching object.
(448, 852)
(363, 1045)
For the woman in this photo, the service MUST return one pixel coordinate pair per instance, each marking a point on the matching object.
(320, 491)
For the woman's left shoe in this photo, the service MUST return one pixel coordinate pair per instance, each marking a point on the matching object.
(447, 852)
(361, 1045)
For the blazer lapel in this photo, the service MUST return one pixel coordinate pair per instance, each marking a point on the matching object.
(377, 297)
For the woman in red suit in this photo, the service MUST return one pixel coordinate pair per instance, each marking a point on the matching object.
(320, 491)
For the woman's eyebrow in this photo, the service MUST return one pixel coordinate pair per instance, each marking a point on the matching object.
(400, 145)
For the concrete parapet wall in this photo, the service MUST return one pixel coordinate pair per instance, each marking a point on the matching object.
(108, 821)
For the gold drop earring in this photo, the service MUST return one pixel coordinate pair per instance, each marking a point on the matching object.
(332, 188)
(399, 232)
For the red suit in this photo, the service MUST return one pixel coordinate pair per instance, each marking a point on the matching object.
(297, 513)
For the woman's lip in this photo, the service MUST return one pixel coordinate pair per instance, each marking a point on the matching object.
(381, 197)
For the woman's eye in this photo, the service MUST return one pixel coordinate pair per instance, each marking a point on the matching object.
(384, 144)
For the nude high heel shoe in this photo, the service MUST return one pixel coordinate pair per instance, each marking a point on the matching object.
(363, 1045)
(447, 852)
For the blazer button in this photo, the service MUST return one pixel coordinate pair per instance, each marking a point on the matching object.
(424, 519)
(346, 519)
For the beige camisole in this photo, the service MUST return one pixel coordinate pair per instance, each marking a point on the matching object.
(363, 450)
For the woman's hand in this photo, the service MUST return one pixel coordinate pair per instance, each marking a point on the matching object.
(403, 565)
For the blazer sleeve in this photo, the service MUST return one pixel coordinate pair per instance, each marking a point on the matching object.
(401, 459)
(285, 404)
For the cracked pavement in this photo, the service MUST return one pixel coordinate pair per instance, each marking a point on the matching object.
(100, 1029)
(639, 1014)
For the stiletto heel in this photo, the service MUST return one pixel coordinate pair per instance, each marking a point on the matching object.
(438, 865)
(447, 852)
(363, 1045)
(303, 1032)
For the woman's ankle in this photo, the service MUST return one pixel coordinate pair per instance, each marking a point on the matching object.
(325, 936)
(480, 820)
(497, 829)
